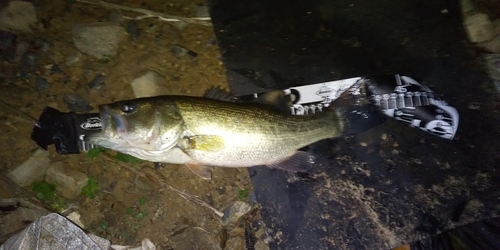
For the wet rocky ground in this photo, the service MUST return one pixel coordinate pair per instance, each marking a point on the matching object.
(75, 55)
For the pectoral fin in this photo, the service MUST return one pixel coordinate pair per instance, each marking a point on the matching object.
(276, 100)
(208, 143)
(202, 171)
(298, 162)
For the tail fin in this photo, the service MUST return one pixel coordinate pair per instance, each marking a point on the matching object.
(357, 111)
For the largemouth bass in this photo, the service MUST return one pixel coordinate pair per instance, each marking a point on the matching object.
(202, 132)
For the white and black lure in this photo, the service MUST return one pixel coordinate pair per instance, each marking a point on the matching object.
(399, 97)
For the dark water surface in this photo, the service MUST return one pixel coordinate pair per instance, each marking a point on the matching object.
(403, 184)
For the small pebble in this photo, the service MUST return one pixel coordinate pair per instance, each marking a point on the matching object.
(41, 83)
(210, 42)
(220, 190)
(363, 144)
(234, 212)
(73, 59)
(383, 137)
(179, 51)
(192, 54)
(447, 165)
(76, 103)
(133, 29)
(97, 83)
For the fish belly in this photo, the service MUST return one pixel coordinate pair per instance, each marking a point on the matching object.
(238, 157)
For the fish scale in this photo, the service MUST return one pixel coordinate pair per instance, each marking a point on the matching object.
(253, 134)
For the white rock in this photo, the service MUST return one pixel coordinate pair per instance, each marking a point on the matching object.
(69, 181)
(18, 16)
(146, 244)
(492, 45)
(32, 169)
(479, 28)
(75, 218)
(148, 84)
(73, 58)
(98, 39)
(234, 212)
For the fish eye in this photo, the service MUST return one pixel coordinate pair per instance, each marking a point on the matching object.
(127, 107)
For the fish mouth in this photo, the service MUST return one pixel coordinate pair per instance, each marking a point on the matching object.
(108, 119)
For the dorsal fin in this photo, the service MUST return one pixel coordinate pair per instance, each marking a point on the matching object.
(218, 93)
(275, 99)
